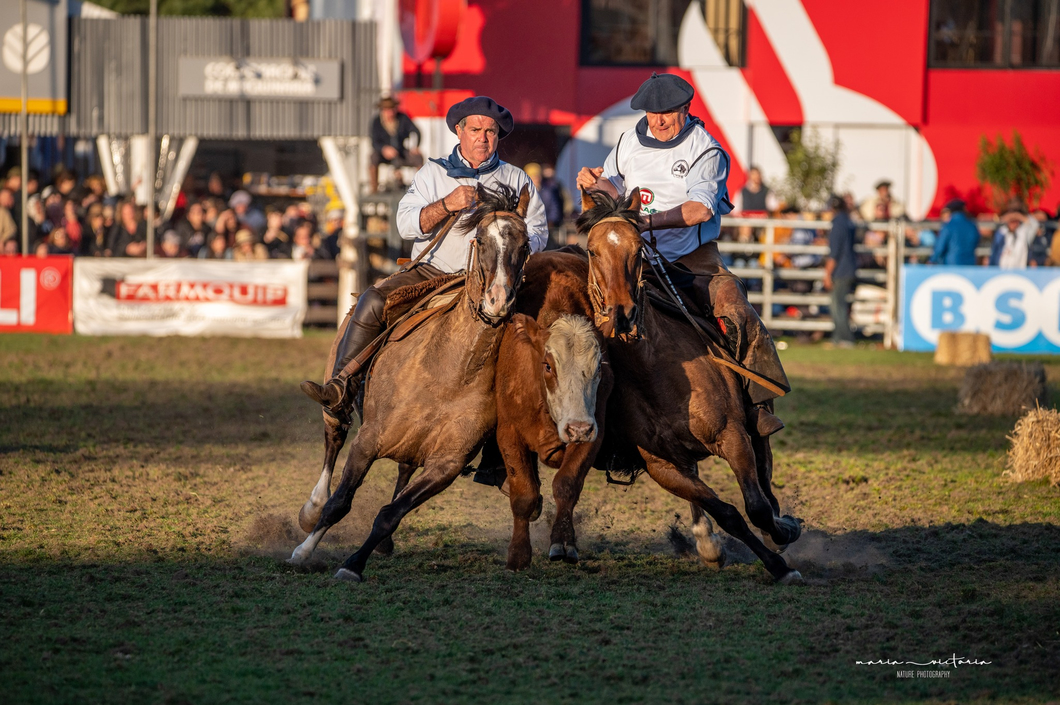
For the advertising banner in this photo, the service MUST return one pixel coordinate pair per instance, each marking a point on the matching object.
(1018, 309)
(189, 297)
(35, 294)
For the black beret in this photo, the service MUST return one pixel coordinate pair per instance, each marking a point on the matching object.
(954, 205)
(662, 93)
(481, 105)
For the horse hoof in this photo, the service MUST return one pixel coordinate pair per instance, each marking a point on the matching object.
(347, 575)
(793, 577)
(557, 552)
(791, 527)
(298, 557)
(571, 555)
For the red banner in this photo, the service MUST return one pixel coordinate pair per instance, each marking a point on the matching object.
(36, 294)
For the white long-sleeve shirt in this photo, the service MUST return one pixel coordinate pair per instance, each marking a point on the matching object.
(1016, 244)
(692, 169)
(431, 184)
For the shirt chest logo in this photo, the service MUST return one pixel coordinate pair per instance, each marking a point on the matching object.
(680, 169)
(646, 196)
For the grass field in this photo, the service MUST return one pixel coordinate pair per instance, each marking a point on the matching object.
(148, 491)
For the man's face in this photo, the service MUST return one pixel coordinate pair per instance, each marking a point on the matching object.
(478, 138)
(388, 114)
(665, 126)
(754, 177)
(195, 215)
(7, 199)
(884, 193)
(1013, 222)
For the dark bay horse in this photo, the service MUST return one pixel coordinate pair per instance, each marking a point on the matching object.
(671, 405)
(429, 400)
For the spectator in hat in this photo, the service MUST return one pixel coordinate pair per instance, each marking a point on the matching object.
(442, 188)
(682, 173)
(329, 244)
(840, 269)
(246, 250)
(395, 141)
(1010, 248)
(957, 238)
(171, 245)
(248, 217)
(882, 204)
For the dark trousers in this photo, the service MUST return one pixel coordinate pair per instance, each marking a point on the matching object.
(722, 294)
(366, 317)
(841, 288)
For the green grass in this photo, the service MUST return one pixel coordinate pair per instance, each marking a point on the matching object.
(148, 489)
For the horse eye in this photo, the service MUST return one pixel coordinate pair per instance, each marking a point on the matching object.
(548, 367)
(592, 253)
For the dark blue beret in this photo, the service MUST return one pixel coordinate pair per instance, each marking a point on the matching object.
(662, 93)
(481, 105)
(954, 205)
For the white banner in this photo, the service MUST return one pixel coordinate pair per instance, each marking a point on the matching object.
(189, 297)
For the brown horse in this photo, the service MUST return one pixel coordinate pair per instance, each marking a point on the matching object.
(552, 389)
(672, 406)
(429, 400)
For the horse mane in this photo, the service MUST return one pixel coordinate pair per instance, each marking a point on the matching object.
(489, 200)
(605, 206)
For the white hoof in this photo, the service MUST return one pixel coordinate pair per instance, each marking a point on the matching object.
(347, 575)
(298, 557)
(792, 578)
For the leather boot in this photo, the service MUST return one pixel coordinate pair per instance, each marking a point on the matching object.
(329, 395)
(765, 422)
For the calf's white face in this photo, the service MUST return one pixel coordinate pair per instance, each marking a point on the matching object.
(572, 376)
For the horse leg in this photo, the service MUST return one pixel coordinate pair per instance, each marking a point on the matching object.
(708, 544)
(524, 487)
(736, 448)
(690, 488)
(335, 434)
(360, 459)
(405, 472)
(566, 489)
(436, 476)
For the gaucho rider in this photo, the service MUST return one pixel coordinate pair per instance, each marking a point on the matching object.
(441, 188)
(682, 171)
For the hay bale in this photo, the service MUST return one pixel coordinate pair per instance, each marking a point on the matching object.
(1035, 452)
(1002, 389)
(962, 349)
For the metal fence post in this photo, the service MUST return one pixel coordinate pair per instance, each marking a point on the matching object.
(892, 281)
(767, 277)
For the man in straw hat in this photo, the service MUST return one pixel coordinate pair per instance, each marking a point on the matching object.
(682, 172)
(442, 188)
(391, 130)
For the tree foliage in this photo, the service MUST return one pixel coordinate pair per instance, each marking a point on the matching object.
(1012, 172)
(216, 8)
(812, 167)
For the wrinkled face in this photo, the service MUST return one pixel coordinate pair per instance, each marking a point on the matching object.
(665, 126)
(503, 247)
(615, 262)
(478, 138)
(571, 369)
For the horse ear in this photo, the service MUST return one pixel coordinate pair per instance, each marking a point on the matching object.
(587, 201)
(524, 325)
(634, 204)
(524, 201)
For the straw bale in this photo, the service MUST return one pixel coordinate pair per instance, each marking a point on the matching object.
(1002, 389)
(962, 349)
(1035, 452)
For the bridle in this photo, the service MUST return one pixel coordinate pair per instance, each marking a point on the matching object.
(475, 283)
(596, 294)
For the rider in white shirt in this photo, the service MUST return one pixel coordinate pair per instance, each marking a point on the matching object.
(442, 187)
(682, 172)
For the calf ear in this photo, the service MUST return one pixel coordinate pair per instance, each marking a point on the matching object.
(634, 204)
(587, 202)
(524, 201)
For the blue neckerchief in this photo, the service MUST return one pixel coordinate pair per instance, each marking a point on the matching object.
(456, 168)
(648, 141)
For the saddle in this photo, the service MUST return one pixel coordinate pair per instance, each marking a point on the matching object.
(404, 299)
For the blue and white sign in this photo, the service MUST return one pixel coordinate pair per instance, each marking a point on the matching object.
(1019, 310)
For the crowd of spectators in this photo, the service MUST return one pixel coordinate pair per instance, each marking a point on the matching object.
(68, 217)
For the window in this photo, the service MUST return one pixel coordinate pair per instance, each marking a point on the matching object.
(645, 32)
(995, 33)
